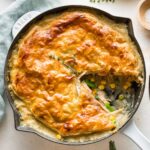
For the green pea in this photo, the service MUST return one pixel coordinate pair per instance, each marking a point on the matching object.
(109, 107)
(90, 84)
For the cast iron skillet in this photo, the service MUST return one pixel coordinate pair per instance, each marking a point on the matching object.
(139, 93)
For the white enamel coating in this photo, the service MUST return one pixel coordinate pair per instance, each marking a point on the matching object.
(22, 21)
(130, 129)
(136, 135)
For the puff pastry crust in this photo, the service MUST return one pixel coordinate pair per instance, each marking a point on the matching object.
(51, 58)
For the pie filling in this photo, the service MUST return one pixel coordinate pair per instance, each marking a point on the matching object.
(76, 72)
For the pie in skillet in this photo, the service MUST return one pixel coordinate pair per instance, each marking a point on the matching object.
(67, 67)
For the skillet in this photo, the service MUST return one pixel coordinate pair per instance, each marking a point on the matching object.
(139, 90)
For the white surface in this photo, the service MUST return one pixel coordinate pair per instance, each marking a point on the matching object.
(4, 4)
(10, 139)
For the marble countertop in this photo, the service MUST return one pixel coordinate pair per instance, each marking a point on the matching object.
(10, 139)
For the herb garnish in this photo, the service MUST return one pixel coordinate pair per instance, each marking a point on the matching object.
(112, 145)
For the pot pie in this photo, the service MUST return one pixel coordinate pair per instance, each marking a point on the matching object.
(75, 73)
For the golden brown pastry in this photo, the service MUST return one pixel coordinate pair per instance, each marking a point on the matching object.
(51, 59)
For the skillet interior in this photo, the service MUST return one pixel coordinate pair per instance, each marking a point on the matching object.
(139, 92)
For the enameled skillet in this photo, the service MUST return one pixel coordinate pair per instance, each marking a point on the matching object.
(129, 127)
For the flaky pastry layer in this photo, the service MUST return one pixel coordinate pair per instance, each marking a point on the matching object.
(50, 60)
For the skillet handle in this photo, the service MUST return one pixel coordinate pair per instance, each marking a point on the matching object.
(136, 135)
(22, 21)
